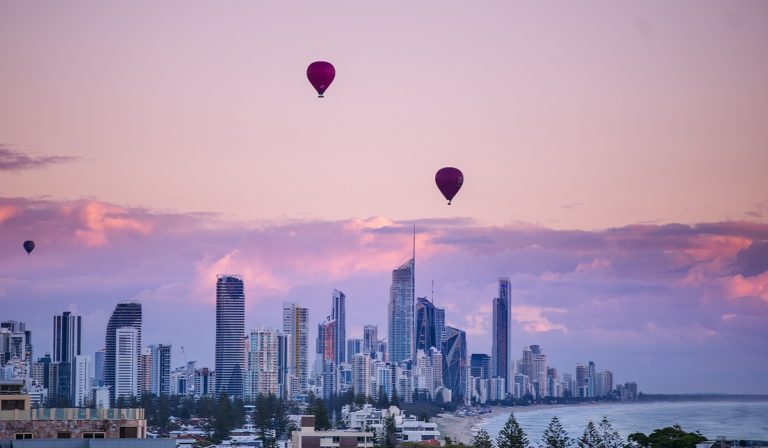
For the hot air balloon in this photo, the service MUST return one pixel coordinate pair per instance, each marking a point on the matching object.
(449, 181)
(320, 75)
(29, 246)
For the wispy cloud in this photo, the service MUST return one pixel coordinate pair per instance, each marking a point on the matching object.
(14, 161)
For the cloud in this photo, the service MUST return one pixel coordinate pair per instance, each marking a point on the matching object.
(753, 260)
(14, 161)
(604, 294)
(533, 320)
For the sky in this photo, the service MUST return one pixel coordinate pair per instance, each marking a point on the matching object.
(614, 157)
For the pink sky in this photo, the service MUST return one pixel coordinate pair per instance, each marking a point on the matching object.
(614, 154)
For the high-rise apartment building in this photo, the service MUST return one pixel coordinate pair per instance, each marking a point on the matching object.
(283, 372)
(98, 361)
(500, 349)
(160, 372)
(126, 362)
(401, 344)
(145, 373)
(125, 314)
(361, 374)
(262, 372)
(339, 314)
(296, 325)
(230, 334)
(370, 338)
(354, 346)
(81, 381)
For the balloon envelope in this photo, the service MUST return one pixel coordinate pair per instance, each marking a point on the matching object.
(29, 246)
(320, 75)
(449, 181)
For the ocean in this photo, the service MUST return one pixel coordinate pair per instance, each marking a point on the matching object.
(732, 419)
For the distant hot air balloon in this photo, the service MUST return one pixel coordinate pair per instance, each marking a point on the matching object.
(449, 182)
(29, 246)
(320, 75)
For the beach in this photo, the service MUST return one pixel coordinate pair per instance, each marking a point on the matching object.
(462, 429)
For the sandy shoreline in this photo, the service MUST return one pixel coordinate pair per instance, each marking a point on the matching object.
(461, 429)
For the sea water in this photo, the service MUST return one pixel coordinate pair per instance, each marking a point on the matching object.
(731, 419)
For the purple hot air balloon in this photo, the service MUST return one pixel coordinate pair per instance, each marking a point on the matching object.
(449, 181)
(320, 75)
(29, 246)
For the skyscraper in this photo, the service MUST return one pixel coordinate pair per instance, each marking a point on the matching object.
(99, 358)
(126, 362)
(426, 328)
(145, 373)
(370, 338)
(160, 373)
(66, 346)
(283, 384)
(339, 314)
(455, 361)
(262, 372)
(361, 374)
(67, 330)
(126, 314)
(230, 334)
(296, 325)
(354, 346)
(501, 331)
(81, 384)
(401, 303)
(480, 365)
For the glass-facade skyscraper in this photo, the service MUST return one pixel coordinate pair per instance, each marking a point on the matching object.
(339, 314)
(455, 361)
(230, 334)
(67, 330)
(126, 314)
(502, 313)
(401, 344)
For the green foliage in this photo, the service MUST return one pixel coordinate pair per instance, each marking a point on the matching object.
(512, 435)
(555, 436)
(382, 401)
(590, 438)
(609, 436)
(317, 408)
(669, 437)
(482, 439)
(389, 439)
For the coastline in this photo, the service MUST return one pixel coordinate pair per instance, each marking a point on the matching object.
(462, 429)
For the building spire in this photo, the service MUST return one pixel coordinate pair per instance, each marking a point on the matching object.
(414, 244)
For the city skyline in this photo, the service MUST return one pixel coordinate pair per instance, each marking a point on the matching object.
(613, 155)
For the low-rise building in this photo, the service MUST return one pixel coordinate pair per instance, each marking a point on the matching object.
(19, 421)
(307, 437)
(407, 427)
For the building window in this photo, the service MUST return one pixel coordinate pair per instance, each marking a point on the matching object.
(93, 435)
(23, 435)
(64, 435)
(12, 405)
(129, 432)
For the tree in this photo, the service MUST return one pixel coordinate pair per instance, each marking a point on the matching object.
(482, 439)
(382, 402)
(222, 419)
(281, 419)
(669, 437)
(609, 436)
(390, 432)
(555, 436)
(591, 438)
(322, 423)
(512, 435)
(262, 420)
(394, 401)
